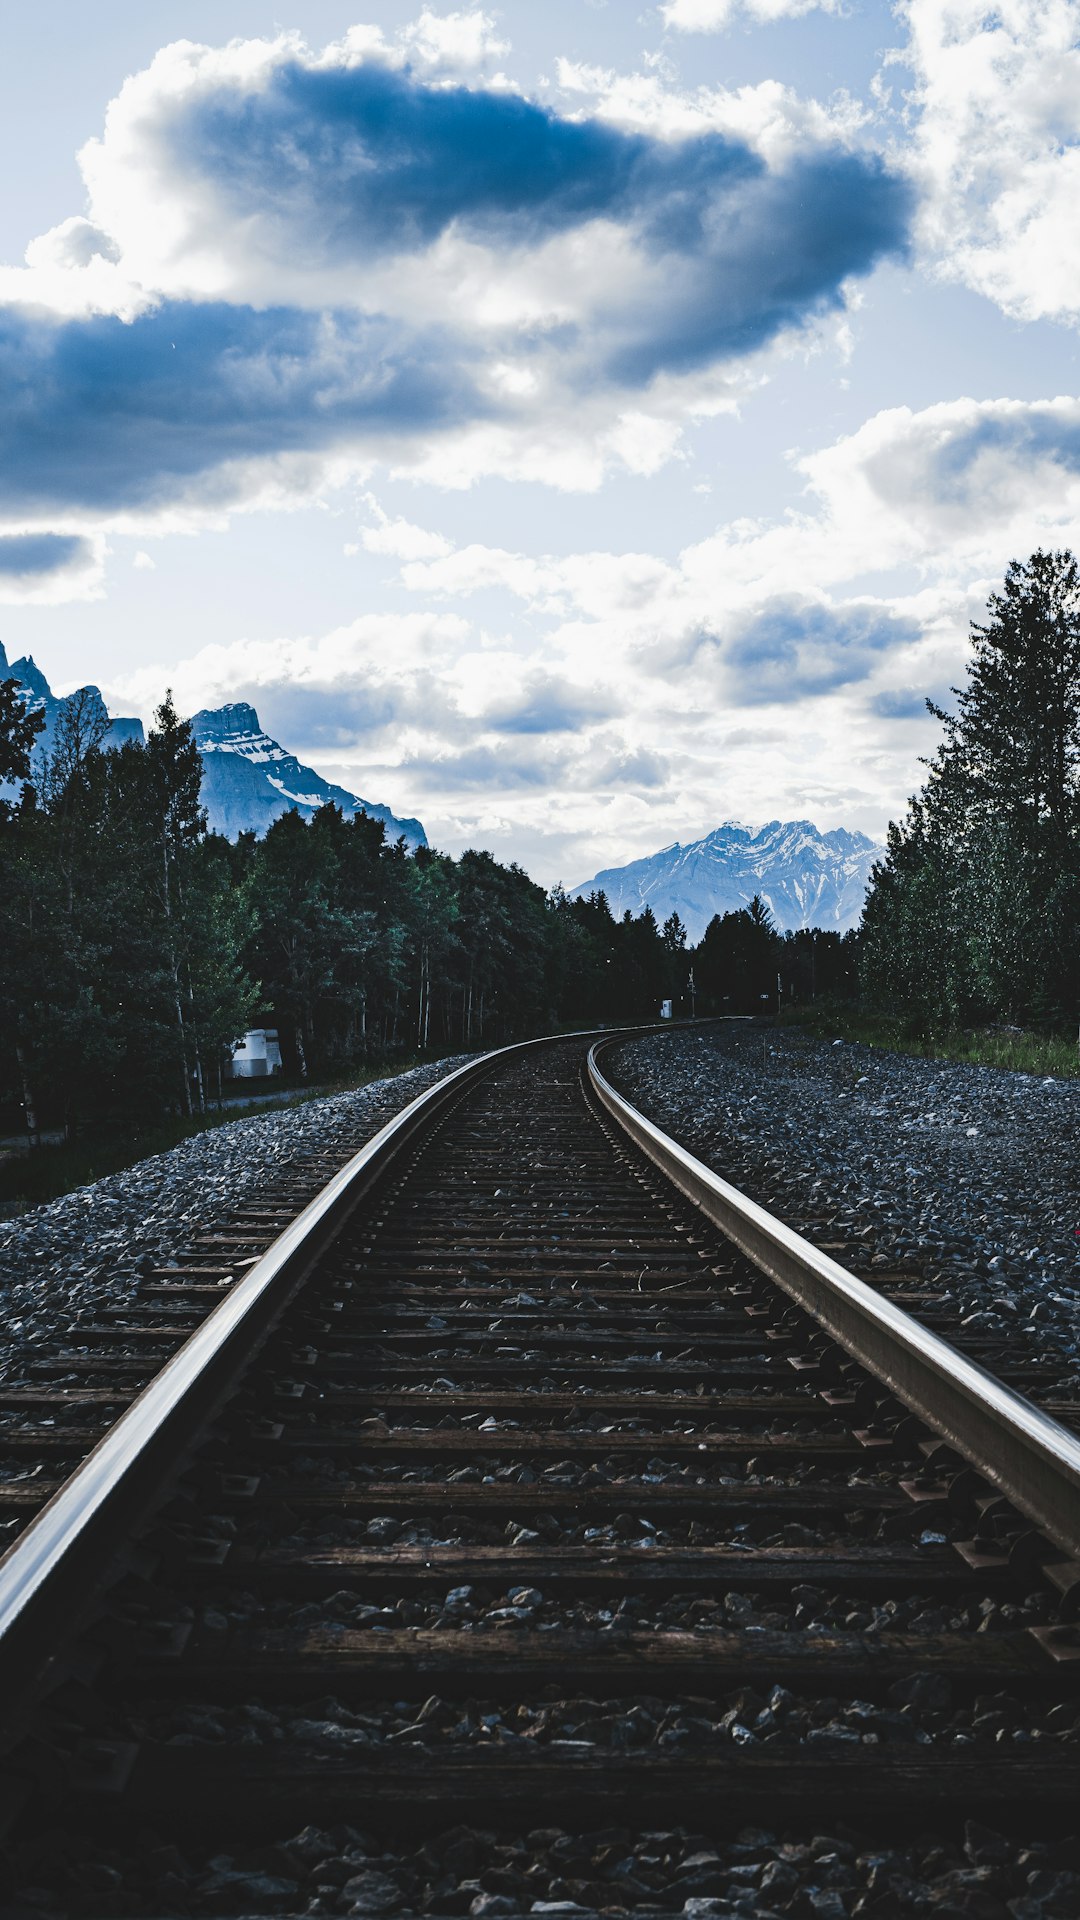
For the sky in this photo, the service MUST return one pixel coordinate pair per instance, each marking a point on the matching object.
(575, 425)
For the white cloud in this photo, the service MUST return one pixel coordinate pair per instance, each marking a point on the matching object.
(399, 538)
(143, 562)
(827, 627)
(712, 16)
(456, 41)
(774, 120)
(995, 147)
(373, 650)
(474, 569)
(946, 490)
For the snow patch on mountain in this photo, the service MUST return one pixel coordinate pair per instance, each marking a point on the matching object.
(806, 878)
(249, 779)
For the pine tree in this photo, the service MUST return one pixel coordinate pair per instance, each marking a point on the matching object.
(972, 912)
(18, 732)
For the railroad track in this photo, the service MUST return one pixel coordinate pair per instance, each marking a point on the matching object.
(534, 1481)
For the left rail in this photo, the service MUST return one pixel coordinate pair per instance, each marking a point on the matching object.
(51, 1576)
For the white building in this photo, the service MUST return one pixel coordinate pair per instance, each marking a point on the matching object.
(257, 1055)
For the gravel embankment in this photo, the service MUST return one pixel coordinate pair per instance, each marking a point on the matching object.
(60, 1263)
(756, 1874)
(923, 1166)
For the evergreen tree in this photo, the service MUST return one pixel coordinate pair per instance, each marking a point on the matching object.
(972, 911)
(18, 732)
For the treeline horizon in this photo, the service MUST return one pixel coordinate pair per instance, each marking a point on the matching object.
(139, 947)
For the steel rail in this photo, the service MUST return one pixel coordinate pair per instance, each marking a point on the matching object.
(48, 1575)
(1011, 1443)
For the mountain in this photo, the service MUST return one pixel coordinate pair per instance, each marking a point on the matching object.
(248, 779)
(807, 878)
(38, 697)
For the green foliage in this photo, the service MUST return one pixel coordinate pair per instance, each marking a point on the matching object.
(742, 957)
(139, 947)
(18, 731)
(1014, 1048)
(119, 975)
(971, 914)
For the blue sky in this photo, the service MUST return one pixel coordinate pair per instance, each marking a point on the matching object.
(573, 425)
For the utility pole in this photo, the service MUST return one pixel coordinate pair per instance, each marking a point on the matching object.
(692, 991)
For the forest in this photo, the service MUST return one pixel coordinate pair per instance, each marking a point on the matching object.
(138, 947)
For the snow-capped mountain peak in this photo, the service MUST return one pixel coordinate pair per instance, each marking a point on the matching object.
(807, 878)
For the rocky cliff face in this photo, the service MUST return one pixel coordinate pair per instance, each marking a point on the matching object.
(807, 878)
(249, 779)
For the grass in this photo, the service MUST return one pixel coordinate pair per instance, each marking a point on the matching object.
(1014, 1048)
(29, 1178)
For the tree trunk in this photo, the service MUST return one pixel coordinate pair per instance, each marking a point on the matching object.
(29, 1107)
(175, 970)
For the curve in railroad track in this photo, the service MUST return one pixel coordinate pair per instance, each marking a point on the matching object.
(537, 1481)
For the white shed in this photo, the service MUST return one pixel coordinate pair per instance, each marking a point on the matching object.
(257, 1055)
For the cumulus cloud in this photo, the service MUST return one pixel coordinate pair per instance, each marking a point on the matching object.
(454, 41)
(547, 703)
(711, 16)
(791, 648)
(399, 538)
(295, 261)
(104, 415)
(263, 170)
(996, 147)
(28, 555)
(953, 486)
(946, 489)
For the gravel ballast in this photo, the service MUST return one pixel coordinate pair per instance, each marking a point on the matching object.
(90, 1249)
(755, 1874)
(970, 1174)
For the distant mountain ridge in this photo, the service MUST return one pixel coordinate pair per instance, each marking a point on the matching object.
(40, 698)
(248, 779)
(806, 877)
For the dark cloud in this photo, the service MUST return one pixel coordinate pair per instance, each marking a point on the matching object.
(34, 555)
(343, 162)
(334, 166)
(793, 648)
(97, 412)
(945, 466)
(480, 767)
(547, 706)
(318, 719)
(897, 703)
(776, 253)
(325, 167)
(638, 768)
